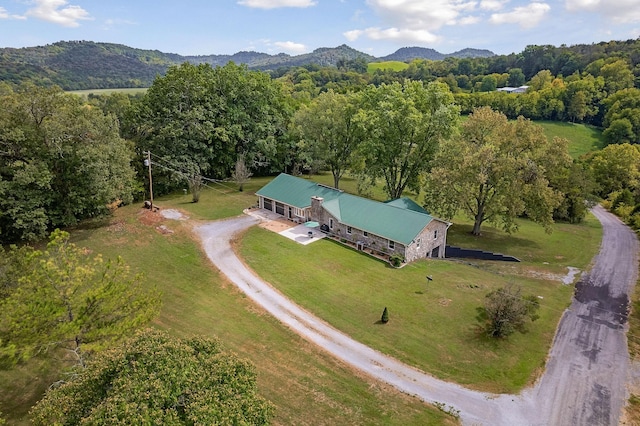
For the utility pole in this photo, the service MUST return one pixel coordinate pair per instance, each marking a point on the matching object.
(148, 164)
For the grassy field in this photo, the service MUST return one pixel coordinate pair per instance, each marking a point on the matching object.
(387, 65)
(307, 386)
(128, 91)
(582, 138)
(433, 324)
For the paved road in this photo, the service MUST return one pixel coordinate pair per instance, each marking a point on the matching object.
(584, 383)
(586, 371)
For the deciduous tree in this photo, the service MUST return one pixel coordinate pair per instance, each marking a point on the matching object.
(197, 119)
(60, 162)
(622, 120)
(495, 171)
(402, 126)
(70, 300)
(329, 132)
(616, 167)
(242, 172)
(157, 379)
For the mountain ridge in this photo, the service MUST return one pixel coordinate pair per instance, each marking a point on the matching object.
(89, 65)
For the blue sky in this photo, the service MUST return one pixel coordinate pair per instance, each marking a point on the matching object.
(378, 27)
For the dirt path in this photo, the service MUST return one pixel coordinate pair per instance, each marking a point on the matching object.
(586, 372)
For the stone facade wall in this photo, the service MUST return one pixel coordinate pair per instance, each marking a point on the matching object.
(433, 236)
(357, 236)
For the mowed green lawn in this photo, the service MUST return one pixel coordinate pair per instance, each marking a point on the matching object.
(396, 66)
(433, 323)
(306, 385)
(582, 138)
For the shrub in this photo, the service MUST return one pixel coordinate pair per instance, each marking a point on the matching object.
(396, 259)
(634, 221)
(506, 310)
(623, 211)
(623, 197)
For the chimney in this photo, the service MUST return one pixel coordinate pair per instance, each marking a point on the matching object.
(316, 208)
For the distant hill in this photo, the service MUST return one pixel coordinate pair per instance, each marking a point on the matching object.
(406, 54)
(77, 65)
(471, 53)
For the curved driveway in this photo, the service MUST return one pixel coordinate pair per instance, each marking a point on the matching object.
(585, 379)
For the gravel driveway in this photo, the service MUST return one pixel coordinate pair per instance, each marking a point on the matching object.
(584, 383)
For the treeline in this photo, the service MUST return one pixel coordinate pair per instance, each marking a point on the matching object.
(597, 86)
(63, 160)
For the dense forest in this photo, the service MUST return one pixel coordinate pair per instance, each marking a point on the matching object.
(77, 65)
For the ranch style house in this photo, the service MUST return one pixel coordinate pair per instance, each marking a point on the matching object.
(398, 226)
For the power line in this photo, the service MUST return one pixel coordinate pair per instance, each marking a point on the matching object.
(158, 162)
(186, 174)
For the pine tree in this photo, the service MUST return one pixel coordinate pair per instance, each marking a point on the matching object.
(385, 316)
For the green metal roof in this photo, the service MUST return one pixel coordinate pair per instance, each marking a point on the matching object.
(407, 203)
(383, 219)
(295, 191)
(398, 220)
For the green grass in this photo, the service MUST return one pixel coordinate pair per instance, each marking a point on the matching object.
(432, 324)
(129, 91)
(306, 385)
(387, 65)
(582, 138)
(531, 244)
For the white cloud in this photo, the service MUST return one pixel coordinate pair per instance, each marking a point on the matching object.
(468, 20)
(396, 34)
(111, 23)
(620, 11)
(4, 14)
(526, 16)
(291, 47)
(58, 12)
(274, 4)
(419, 14)
(493, 5)
(416, 21)
(353, 34)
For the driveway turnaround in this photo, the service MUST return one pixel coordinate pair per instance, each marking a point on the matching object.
(584, 383)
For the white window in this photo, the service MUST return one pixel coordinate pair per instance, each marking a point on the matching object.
(435, 234)
(392, 244)
(418, 243)
(366, 234)
(348, 229)
(331, 223)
